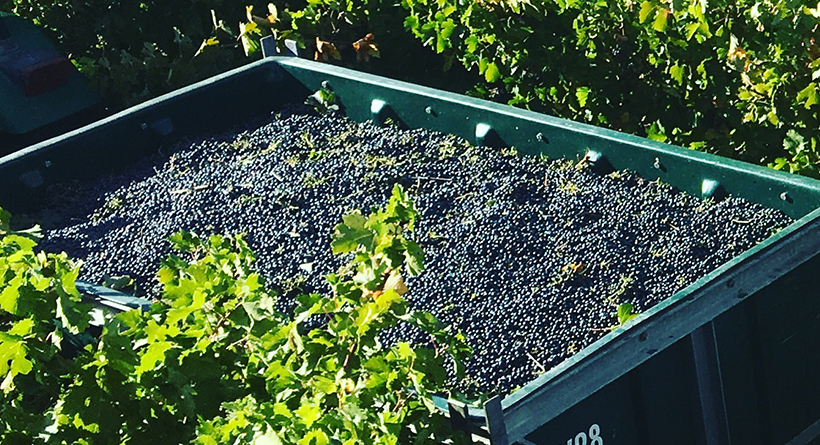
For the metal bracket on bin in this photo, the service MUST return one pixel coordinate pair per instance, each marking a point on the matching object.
(712, 189)
(495, 422)
(484, 426)
(599, 163)
(111, 299)
(269, 49)
(485, 135)
(378, 111)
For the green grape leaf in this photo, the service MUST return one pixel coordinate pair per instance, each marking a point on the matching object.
(661, 20)
(308, 413)
(646, 9)
(154, 354)
(10, 295)
(492, 74)
(22, 328)
(626, 312)
(314, 437)
(691, 30)
(269, 437)
(582, 93)
(676, 71)
(323, 385)
(809, 95)
(351, 234)
(414, 257)
(13, 361)
(472, 43)
(401, 208)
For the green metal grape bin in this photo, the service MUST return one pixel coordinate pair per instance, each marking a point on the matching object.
(732, 359)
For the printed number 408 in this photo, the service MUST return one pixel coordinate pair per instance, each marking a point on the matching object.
(594, 437)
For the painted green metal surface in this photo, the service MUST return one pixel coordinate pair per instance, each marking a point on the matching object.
(20, 113)
(730, 359)
(688, 170)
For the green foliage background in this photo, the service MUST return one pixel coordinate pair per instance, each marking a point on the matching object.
(737, 78)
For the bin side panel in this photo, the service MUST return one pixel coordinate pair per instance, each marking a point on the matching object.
(742, 377)
(788, 316)
(669, 395)
(770, 359)
(655, 403)
(612, 415)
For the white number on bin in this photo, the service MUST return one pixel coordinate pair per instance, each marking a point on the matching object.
(593, 438)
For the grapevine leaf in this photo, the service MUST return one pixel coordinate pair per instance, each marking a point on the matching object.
(154, 354)
(11, 294)
(646, 9)
(676, 71)
(281, 409)
(404, 351)
(691, 30)
(308, 413)
(73, 315)
(809, 95)
(24, 243)
(626, 312)
(414, 257)
(472, 43)
(39, 282)
(295, 343)
(582, 94)
(315, 437)
(351, 234)
(22, 327)
(13, 361)
(395, 282)
(661, 20)
(269, 437)
(250, 45)
(492, 74)
(324, 385)
(401, 208)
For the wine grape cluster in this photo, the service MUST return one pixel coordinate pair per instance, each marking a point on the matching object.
(529, 257)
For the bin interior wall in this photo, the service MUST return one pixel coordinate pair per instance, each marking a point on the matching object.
(114, 143)
(418, 107)
(261, 87)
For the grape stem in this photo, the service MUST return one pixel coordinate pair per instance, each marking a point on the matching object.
(537, 363)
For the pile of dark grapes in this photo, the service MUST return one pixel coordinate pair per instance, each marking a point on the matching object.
(528, 257)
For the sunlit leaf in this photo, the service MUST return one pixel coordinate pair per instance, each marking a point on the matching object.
(154, 354)
(308, 413)
(647, 8)
(809, 95)
(582, 93)
(492, 73)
